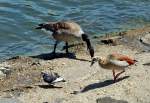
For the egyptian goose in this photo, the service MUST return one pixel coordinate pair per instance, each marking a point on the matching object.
(51, 78)
(67, 31)
(114, 62)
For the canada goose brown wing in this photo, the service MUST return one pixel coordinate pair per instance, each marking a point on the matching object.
(69, 27)
(54, 26)
(61, 25)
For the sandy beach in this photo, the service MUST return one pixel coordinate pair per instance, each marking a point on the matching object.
(84, 84)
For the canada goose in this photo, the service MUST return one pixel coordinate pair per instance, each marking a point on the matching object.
(114, 62)
(51, 78)
(67, 31)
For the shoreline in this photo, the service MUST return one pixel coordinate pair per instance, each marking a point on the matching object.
(24, 80)
(128, 33)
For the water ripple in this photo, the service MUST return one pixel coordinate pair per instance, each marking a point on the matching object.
(18, 19)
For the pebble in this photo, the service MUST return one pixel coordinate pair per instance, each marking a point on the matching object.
(63, 63)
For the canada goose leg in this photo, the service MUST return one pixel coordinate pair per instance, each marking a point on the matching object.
(67, 48)
(119, 74)
(55, 45)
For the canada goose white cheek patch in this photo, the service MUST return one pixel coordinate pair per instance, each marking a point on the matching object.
(46, 31)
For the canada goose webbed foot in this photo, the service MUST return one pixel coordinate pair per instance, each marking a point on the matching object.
(53, 53)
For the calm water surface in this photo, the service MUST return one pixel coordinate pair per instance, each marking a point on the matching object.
(18, 19)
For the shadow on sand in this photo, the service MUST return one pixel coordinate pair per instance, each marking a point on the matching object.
(48, 86)
(50, 56)
(109, 100)
(101, 84)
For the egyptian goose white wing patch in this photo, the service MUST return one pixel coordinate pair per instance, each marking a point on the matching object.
(119, 63)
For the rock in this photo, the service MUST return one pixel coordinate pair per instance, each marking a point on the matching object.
(145, 39)
(148, 64)
(16, 57)
(63, 63)
(2, 75)
(109, 100)
(59, 100)
(4, 64)
(9, 100)
(36, 64)
(4, 71)
(111, 40)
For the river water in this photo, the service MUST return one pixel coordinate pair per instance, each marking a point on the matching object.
(18, 19)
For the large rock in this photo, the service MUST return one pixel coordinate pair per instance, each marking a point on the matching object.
(145, 39)
(4, 72)
(141, 41)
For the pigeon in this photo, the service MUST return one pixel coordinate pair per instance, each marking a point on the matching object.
(51, 78)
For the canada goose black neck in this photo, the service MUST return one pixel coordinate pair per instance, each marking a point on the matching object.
(89, 46)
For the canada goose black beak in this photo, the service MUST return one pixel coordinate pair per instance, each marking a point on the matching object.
(92, 62)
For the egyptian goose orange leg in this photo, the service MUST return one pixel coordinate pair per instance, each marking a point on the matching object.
(117, 75)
